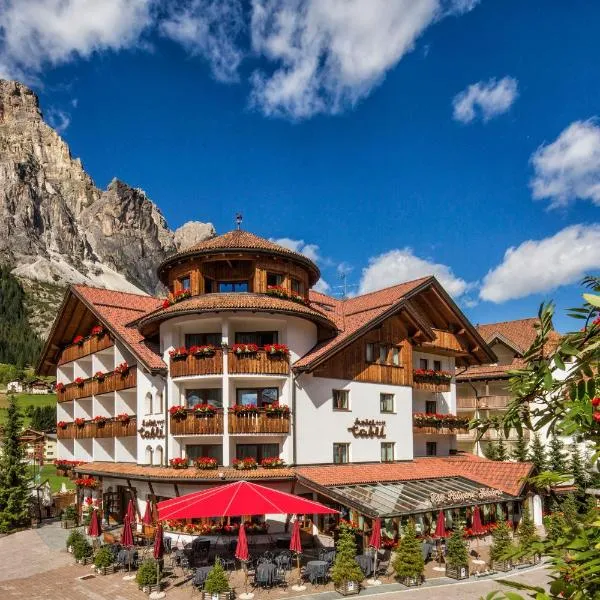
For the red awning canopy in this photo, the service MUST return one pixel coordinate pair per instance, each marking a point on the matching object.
(236, 500)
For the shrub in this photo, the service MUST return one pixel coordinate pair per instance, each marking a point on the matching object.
(74, 537)
(216, 581)
(146, 574)
(70, 513)
(104, 557)
(409, 561)
(81, 549)
(457, 554)
(501, 541)
(526, 534)
(345, 567)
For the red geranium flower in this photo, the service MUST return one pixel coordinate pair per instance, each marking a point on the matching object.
(78, 339)
(596, 401)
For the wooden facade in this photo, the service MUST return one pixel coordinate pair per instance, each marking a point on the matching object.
(193, 365)
(483, 403)
(112, 428)
(111, 383)
(351, 362)
(428, 430)
(258, 423)
(194, 424)
(258, 363)
(445, 342)
(427, 386)
(88, 346)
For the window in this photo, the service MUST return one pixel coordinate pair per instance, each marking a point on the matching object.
(158, 456)
(383, 353)
(370, 352)
(257, 451)
(430, 448)
(341, 453)
(149, 455)
(212, 396)
(437, 365)
(257, 396)
(430, 407)
(158, 403)
(185, 282)
(386, 403)
(341, 399)
(224, 287)
(423, 364)
(203, 339)
(260, 338)
(387, 451)
(396, 356)
(297, 287)
(203, 451)
(274, 280)
(148, 403)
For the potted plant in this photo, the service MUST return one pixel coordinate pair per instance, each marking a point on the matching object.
(501, 547)
(75, 536)
(79, 422)
(202, 351)
(244, 464)
(122, 369)
(528, 538)
(204, 410)
(206, 463)
(69, 520)
(99, 376)
(82, 551)
(277, 410)
(408, 563)
(79, 381)
(178, 463)
(100, 420)
(457, 556)
(178, 412)
(146, 576)
(272, 463)
(104, 561)
(178, 353)
(216, 585)
(346, 572)
(123, 418)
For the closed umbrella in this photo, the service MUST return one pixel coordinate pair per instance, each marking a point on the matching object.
(241, 553)
(159, 550)
(127, 540)
(476, 526)
(147, 518)
(440, 527)
(375, 542)
(131, 511)
(94, 530)
(296, 546)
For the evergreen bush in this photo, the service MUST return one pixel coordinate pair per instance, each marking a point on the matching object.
(557, 460)
(501, 541)
(570, 511)
(457, 554)
(70, 513)
(409, 563)
(345, 567)
(74, 537)
(555, 526)
(216, 581)
(146, 574)
(104, 558)
(537, 454)
(527, 535)
(82, 549)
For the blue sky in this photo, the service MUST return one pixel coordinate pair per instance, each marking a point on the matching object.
(392, 140)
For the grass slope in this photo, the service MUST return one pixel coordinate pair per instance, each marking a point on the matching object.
(23, 401)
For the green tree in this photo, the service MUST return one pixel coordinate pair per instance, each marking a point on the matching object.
(527, 534)
(557, 460)
(345, 567)
(537, 454)
(409, 563)
(501, 451)
(457, 554)
(570, 511)
(519, 451)
(490, 450)
(14, 492)
(216, 580)
(501, 541)
(43, 418)
(579, 472)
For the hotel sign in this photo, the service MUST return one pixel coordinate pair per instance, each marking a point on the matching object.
(152, 429)
(456, 496)
(368, 428)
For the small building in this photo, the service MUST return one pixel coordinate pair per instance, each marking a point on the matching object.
(39, 386)
(15, 387)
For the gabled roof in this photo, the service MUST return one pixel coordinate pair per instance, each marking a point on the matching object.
(355, 316)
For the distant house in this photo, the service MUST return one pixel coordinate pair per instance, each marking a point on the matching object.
(15, 387)
(39, 386)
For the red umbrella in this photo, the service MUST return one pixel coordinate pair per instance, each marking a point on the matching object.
(241, 550)
(159, 543)
(94, 530)
(476, 526)
(238, 499)
(131, 511)
(127, 534)
(440, 527)
(147, 518)
(375, 539)
(295, 542)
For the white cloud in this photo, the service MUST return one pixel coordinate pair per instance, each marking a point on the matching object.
(397, 266)
(569, 167)
(311, 251)
(322, 286)
(38, 33)
(209, 28)
(538, 266)
(329, 54)
(59, 119)
(486, 99)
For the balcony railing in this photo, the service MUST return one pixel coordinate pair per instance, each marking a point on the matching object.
(90, 387)
(492, 435)
(88, 346)
(258, 363)
(91, 429)
(428, 386)
(258, 423)
(193, 424)
(439, 424)
(197, 365)
(484, 403)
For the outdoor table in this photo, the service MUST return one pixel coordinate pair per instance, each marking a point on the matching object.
(365, 562)
(127, 557)
(201, 575)
(265, 574)
(327, 554)
(316, 569)
(284, 561)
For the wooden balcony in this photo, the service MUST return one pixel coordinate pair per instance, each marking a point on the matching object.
(112, 428)
(484, 403)
(112, 382)
(439, 430)
(194, 365)
(258, 423)
(258, 363)
(88, 346)
(427, 386)
(445, 341)
(492, 435)
(194, 424)
(453, 426)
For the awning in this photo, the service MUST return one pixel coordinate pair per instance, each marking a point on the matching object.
(409, 497)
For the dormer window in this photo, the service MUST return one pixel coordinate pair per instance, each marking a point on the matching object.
(185, 282)
(232, 286)
(274, 280)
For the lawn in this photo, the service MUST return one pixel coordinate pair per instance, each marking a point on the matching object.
(24, 400)
(49, 472)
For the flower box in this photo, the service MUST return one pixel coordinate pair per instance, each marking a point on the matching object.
(80, 422)
(78, 340)
(411, 581)
(272, 463)
(149, 589)
(123, 418)
(100, 420)
(176, 297)
(178, 412)
(97, 331)
(178, 353)
(86, 560)
(87, 482)
(348, 588)
(202, 351)
(245, 409)
(457, 572)
(204, 410)
(206, 463)
(122, 369)
(220, 596)
(106, 570)
(277, 350)
(277, 410)
(431, 376)
(62, 424)
(244, 349)
(439, 420)
(178, 463)
(59, 387)
(99, 376)
(79, 382)
(244, 464)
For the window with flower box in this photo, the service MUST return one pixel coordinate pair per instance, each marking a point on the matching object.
(212, 396)
(274, 279)
(195, 451)
(341, 399)
(260, 338)
(256, 451)
(203, 339)
(257, 396)
(297, 287)
(341, 453)
(437, 365)
(224, 287)
(387, 451)
(386, 403)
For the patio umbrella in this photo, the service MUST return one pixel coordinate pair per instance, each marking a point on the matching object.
(241, 553)
(159, 550)
(375, 542)
(236, 500)
(127, 539)
(296, 545)
(147, 518)
(131, 511)
(476, 526)
(94, 530)
(440, 527)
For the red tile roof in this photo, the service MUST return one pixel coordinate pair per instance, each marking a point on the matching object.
(116, 310)
(506, 476)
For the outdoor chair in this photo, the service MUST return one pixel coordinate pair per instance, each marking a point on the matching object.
(280, 578)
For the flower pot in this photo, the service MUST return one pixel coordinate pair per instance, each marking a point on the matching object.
(457, 572)
(501, 565)
(148, 589)
(105, 570)
(86, 560)
(228, 595)
(348, 588)
(411, 581)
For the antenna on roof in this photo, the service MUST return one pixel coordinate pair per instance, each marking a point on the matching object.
(345, 285)
(238, 221)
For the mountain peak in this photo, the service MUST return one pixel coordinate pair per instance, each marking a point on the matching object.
(18, 102)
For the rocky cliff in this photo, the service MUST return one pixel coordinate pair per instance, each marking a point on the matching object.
(57, 227)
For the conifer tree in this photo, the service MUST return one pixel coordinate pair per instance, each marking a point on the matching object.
(14, 492)
(216, 580)
(345, 567)
(578, 471)
(557, 459)
(501, 541)
(526, 533)
(501, 452)
(457, 554)
(570, 511)
(519, 451)
(409, 562)
(490, 451)
(537, 454)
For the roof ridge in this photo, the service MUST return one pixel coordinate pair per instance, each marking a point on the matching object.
(387, 288)
(509, 321)
(104, 289)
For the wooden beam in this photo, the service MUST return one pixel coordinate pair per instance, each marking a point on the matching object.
(135, 503)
